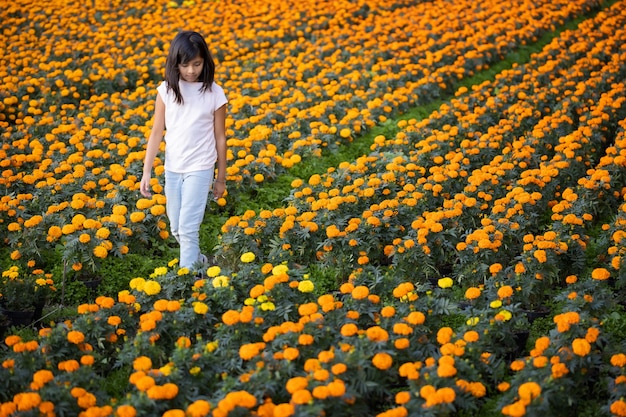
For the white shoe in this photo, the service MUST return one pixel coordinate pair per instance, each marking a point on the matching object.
(203, 259)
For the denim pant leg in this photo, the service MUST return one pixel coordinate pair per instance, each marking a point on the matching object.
(187, 197)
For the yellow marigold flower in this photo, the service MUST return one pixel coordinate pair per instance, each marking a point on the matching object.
(100, 252)
(152, 287)
(306, 286)
(144, 203)
(504, 315)
(220, 281)
(213, 271)
(103, 233)
(445, 282)
(268, 306)
(137, 216)
(54, 233)
(137, 283)
(280, 269)
(247, 257)
(157, 210)
(200, 308)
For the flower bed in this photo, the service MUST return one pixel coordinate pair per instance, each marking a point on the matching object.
(335, 70)
(437, 244)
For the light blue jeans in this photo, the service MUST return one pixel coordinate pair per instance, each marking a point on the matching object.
(187, 196)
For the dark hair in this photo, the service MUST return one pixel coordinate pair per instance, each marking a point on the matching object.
(186, 46)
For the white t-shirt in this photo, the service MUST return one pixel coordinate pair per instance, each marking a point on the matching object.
(189, 134)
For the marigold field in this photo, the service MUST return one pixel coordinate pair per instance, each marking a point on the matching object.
(468, 264)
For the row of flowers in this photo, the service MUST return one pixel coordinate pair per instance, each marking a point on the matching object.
(476, 187)
(261, 340)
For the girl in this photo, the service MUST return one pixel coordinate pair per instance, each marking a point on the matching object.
(192, 107)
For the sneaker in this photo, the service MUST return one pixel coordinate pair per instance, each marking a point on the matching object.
(202, 263)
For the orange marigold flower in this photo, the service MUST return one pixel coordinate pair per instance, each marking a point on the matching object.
(308, 309)
(403, 397)
(592, 334)
(505, 291)
(416, 318)
(284, 410)
(472, 293)
(199, 408)
(377, 334)
(581, 347)
(337, 388)
(75, 337)
(402, 343)
(529, 391)
(230, 317)
(302, 396)
(321, 392)
(126, 410)
(618, 408)
(142, 363)
(619, 359)
(296, 383)
(382, 361)
(517, 365)
(444, 335)
(503, 386)
(471, 336)
(559, 370)
(338, 368)
(388, 311)
(600, 274)
(291, 353)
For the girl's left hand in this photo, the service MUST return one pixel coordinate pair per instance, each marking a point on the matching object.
(219, 189)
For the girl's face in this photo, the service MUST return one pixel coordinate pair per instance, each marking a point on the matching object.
(191, 70)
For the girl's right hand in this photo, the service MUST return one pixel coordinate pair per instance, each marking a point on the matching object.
(144, 187)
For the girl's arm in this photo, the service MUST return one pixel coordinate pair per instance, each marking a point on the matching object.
(219, 186)
(154, 142)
